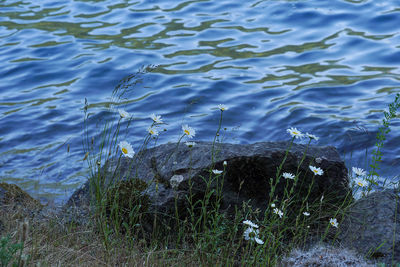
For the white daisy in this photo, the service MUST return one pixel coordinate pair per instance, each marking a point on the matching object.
(258, 240)
(295, 133)
(189, 131)
(222, 107)
(252, 234)
(156, 118)
(306, 213)
(288, 175)
(279, 212)
(217, 171)
(316, 170)
(361, 182)
(190, 144)
(311, 136)
(359, 171)
(333, 222)
(250, 223)
(152, 131)
(124, 114)
(126, 149)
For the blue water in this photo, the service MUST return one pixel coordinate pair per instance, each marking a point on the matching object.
(326, 67)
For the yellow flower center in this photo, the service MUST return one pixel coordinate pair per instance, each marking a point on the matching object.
(187, 132)
(360, 184)
(315, 171)
(295, 133)
(124, 150)
(252, 234)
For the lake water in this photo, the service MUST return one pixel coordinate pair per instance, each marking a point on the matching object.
(326, 67)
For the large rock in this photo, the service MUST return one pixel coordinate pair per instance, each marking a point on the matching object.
(12, 197)
(16, 203)
(171, 171)
(324, 255)
(372, 227)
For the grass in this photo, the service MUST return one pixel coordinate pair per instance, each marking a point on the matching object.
(120, 232)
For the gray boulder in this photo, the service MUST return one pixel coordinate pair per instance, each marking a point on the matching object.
(172, 171)
(323, 255)
(372, 227)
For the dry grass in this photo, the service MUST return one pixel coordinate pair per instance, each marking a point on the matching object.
(54, 239)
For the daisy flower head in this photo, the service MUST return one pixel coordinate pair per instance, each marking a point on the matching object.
(306, 213)
(250, 223)
(279, 212)
(288, 175)
(190, 144)
(126, 149)
(311, 136)
(156, 118)
(189, 131)
(358, 171)
(222, 107)
(361, 182)
(295, 133)
(217, 171)
(124, 114)
(152, 131)
(333, 222)
(252, 234)
(316, 170)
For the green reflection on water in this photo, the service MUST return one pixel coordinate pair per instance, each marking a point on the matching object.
(49, 43)
(67, 83)
(11, 111)
(35, 102)
(24, 59)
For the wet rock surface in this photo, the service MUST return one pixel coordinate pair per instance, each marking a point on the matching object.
(173, 171)
(372, 226)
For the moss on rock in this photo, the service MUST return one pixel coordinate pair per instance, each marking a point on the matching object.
(12, 195)
(126, 201)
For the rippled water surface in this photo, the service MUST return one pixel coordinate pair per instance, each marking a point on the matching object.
(326, 67)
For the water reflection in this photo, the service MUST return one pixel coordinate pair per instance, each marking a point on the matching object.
(330, 70)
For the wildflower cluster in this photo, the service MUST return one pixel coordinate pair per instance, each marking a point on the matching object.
(278, 212)
(297, 134)
(359, 180)
(126, 147)
(251, 233)
(152, 130)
